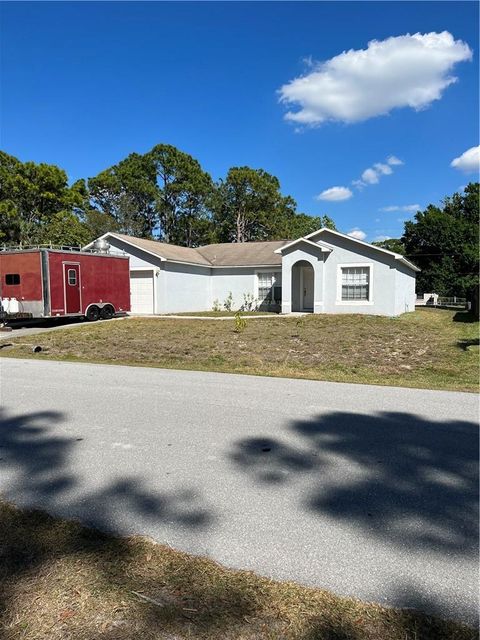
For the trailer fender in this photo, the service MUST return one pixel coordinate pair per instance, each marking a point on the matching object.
(101, 306)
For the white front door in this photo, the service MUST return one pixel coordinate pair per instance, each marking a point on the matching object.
(307, 288)
(141, 292)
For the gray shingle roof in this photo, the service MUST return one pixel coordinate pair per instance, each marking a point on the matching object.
(228, 254)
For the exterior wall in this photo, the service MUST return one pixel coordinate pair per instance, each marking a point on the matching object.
(405, 297)
(238, 281)
(392, 285)
(383, 278)
(183, 288)
(307, 253)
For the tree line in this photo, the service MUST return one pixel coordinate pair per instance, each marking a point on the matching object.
(164, 194)
(443, 241)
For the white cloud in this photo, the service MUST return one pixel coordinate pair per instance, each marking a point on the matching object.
(469, 161)
(405, 207)
(383, 169)
(403, 71)
(381, 238)
(393, 160)
(369, 176)
(372, 174)
(358, 234)
(335, 194)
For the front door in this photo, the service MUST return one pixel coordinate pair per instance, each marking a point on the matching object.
(307, 282)
(71, 274)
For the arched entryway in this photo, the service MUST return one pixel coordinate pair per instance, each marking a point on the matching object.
(303, 286)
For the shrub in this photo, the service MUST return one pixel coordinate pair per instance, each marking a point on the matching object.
(227, 305)
(240, 323)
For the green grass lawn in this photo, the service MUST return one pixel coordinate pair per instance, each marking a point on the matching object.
(62, 581)
(430, 348)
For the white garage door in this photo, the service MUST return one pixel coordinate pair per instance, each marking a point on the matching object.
(141, 291)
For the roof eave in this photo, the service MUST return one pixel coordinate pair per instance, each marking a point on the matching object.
(322, 247)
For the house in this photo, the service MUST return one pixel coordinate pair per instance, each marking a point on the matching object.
(323, 272)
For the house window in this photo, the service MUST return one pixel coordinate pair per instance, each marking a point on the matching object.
(355, 283)
(72, 277)
(269, 288)
(12, 278)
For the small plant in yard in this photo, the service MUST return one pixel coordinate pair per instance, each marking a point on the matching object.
(228, 302)
(249, 302)
(216, 305)
(240, 323)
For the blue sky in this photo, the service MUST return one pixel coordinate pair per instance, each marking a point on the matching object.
(84, 84)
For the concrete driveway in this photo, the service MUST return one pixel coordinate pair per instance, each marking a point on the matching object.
(367, 491)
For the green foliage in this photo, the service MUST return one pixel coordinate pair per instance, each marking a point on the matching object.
(216, 305)
(391, 244)
(249, 206)
(64, 228)
(126, 193)
(301, 224)
(163, 194)
(443, 242)
(228, 302)
(240, 323)
(249, 302)
(184, 197)
(30, 196)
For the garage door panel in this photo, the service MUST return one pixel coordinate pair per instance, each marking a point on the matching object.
(141, 292)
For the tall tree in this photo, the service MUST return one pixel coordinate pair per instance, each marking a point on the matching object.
(301, 224)
(126, 193)
(391, 244)
(249, 206)
(184, 197)
(443, 242)
(30, 195)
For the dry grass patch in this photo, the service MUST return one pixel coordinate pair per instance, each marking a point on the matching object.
(62, 581)
(428, 348)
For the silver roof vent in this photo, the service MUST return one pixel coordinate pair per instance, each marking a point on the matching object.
(101, 246)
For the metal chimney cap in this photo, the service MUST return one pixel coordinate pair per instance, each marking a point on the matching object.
(101, 245)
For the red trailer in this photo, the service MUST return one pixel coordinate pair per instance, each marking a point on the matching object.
(49, 283)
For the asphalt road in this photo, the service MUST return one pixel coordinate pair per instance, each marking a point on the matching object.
(367, 491)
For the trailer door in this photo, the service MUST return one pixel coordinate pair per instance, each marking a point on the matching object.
(71, 278)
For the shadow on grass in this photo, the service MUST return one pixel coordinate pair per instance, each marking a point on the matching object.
(465, 344)
(465, 316)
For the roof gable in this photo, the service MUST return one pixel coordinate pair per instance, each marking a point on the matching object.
(397, 256)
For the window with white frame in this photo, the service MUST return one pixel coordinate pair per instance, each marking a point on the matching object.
(355, 283)
(269, 287)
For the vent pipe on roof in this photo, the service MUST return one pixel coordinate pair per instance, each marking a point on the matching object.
(101, 246)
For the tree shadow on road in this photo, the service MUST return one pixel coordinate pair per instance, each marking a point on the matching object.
(406, 479)
(35, 470)
(61, 581)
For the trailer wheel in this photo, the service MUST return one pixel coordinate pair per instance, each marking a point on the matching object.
(93, 313)
(107, 312)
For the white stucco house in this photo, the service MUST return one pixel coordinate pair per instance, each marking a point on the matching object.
(323, 272)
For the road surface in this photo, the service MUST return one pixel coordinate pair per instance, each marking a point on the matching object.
(367, 491)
